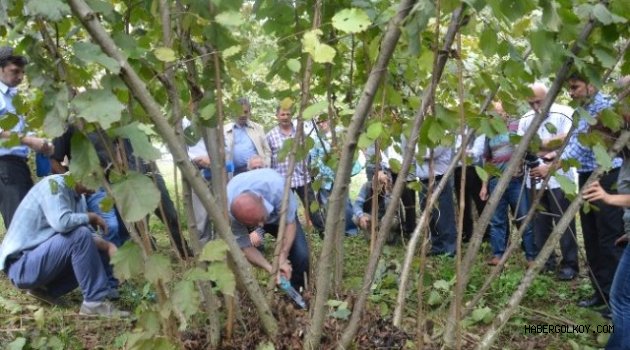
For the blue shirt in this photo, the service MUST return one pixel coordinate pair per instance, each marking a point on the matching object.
(244, 147)
(269, 185)
(581, 153)
(6, 106)
(50, 207)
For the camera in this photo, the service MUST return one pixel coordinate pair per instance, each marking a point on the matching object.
(532, 161)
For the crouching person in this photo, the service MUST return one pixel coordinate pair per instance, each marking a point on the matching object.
(362, 206)
(50, 248)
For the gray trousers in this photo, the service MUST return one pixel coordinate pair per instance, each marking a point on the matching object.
(62, 263)
(15, 182)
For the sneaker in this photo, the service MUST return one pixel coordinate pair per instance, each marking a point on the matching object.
(43, 296)
(101, 308)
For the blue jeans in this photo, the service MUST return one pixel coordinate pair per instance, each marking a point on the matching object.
(298, 255)
(442, 225)
(620, 304)
(60, 264)
(517, 197)
(116, 233)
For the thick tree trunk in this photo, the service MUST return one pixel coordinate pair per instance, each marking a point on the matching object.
(409, 152)
(339, 193)
(89, 19)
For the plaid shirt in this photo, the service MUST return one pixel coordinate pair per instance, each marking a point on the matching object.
(581, 153)
(276, 139)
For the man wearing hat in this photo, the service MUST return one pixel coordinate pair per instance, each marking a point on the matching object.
(15, 176)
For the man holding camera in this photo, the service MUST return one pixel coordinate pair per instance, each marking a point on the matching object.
(554, 202)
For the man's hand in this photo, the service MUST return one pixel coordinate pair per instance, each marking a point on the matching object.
(202, 161)
(623, 240)
(255, 238)
(39, 144)
(96, 221)
(483, 193)
(539, 172)
(364, 221)
(105, 246)
(285, 269)
(595, 192)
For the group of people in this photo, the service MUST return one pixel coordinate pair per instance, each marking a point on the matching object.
(51, 245)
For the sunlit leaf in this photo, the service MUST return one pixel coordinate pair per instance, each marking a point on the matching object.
(351, 20)
(127, 261)
(158, 267)
(375, 130)
(214, 250)
(320, 52)
(294, 65)
(53, 10)
(221, 274)
(165, 54)
(98, 106)
(185, 297)
(315, 109)
(229, 19)
(17, 344)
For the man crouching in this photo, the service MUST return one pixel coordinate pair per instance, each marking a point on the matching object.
(50, 248)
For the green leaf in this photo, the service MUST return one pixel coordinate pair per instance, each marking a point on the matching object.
(351, 20)
(435, 298)
(8, 121)
(214, 250)
(601, 155)
(39, 318)
(90, 53)
(480, 314)
(321, 53)
(231, 51)
(139, 141)
(610, 119)
(221, 274)
(229, 19)
(185, 297)
(488, 41)
(158, 267)
(315, 110)
(165, 54)
(136, 196)
(294, 65)
(375, 130)
(17, 344)
(98, 106)
(11, 306)
(333, 303)
(442, 285)
(550, 18)
(57, 115)
(127, 261)
(551, 128)
(567, 185)
(54, 10)
(601, 13)
(341, 314)
(84, 164)
(265, 346)
(606, 59)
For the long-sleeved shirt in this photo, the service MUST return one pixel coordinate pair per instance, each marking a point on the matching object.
(6, 106)
(581, 153)
(441, 160)
(50, 207)
(364, 199)
(243, 142)
(267, 184)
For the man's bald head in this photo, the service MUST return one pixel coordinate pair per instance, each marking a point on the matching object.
(248, 209)
(539, 93)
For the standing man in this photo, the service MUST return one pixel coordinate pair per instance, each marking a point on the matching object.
(245, 141)
(442, 227)
(554, 201)
(15, 176)
(301, 179)
(602, 227)
(254, 200)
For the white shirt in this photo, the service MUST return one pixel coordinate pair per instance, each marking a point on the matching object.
(560, 117)
(441, 160)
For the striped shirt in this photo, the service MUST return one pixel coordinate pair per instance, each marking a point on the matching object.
(276, 140)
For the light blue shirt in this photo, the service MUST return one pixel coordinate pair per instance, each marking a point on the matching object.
(244, 147)
(6, 106)
(50, 207)
(269, 185)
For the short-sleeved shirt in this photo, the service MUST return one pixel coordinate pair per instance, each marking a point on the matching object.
(6, 106)
(561, 117)
(269, 185)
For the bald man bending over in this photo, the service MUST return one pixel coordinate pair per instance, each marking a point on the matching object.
(254, 200)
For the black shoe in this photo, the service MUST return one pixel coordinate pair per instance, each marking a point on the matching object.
(606, 313)
(592, 302)
(566, 274)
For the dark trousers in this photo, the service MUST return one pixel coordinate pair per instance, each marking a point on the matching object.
(408, 199)
(471, 196)
(600, 229)
(307, 195)
(442, 225)
(298, 255)
(15, 182)
(170, 213)
(62, 263)
(555, 203)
